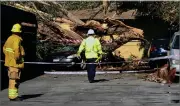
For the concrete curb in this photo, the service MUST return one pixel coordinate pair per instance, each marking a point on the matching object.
(97, 72)
(80, 73)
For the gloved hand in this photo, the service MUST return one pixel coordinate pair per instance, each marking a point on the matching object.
(104, 53)
(99, 58)
(20, 60)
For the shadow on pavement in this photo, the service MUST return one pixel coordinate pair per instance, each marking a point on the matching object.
(30, 96)
(175, 101)
(100, 80)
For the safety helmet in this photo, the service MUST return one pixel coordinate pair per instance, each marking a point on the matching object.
(104, 26)
(90, 32)
(16, 28)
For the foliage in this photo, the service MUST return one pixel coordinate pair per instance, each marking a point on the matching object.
(169, 11)
(165, 10)
(43, 49)
(65, 48)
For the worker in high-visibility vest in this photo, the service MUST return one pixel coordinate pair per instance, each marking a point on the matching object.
(93, 52)
(14, 60)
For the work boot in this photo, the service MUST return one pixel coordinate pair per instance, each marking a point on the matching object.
(16, 99)
(91, 81)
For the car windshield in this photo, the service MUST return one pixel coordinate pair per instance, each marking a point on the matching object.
(160, 42)
(176, 43)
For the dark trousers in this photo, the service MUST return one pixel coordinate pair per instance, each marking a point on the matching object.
(91, 69)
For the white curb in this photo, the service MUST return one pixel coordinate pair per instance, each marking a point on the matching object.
(80, 73)
(97, 72)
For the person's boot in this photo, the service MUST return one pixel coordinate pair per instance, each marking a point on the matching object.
(16, 99)
(91, 81)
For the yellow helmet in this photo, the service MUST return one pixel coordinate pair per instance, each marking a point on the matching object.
(16, 28)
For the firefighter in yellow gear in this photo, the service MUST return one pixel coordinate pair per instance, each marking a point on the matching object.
(93, 52)
(14, 60)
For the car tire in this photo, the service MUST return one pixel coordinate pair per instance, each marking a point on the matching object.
(83, 64)
(153, 64)
(177, 79)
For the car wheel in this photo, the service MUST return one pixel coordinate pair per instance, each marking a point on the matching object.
(83, 65)
(153, 64)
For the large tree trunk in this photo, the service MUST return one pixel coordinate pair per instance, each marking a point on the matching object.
(66, 33)
(52, 32)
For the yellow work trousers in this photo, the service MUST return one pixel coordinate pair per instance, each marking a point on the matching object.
(14, 78)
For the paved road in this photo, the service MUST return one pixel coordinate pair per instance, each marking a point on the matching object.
(113, 90)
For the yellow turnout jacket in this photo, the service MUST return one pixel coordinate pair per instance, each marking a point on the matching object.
(14, 52)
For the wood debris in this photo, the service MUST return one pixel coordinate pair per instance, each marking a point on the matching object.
(163, 75)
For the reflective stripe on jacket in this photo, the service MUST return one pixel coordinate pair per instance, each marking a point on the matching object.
(9, 50)
(92, 47)
(14, 52)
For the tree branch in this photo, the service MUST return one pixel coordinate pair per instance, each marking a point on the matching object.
(68, 14)
(39, 13)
